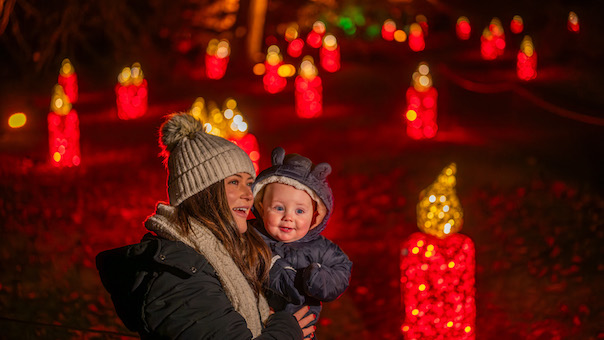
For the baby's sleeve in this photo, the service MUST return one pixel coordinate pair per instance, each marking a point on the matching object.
(329, 277)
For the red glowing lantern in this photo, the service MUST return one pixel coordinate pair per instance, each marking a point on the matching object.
(526, 64)
(421, 111)
(492, 42)
(294, 48)
(69, 80)
(416, 38)
(330, 54)
(272, 80)
(309, 90)
(573, 22)
(463, 28)
(315, 36)
(131, 92)
(422, 21)
(295, 44)
(517, 24)
(438, 268)
(217, 58)
(388, 29)
(63, 131)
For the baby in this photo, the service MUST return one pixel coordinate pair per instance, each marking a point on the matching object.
(293, 202)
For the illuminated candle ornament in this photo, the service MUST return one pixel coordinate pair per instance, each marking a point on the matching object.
(421, 110)
(131, 93)
(294, 43)
(315, 36)
(63, 131)
(573, 22)
(517, 24)
(69, 80)
(217, 58)
(416, 38)
(309, 90)
(272, 80)
(492, 42)
(422, 21)
(463, 28)
(330, 54)
(388, 29)
(526, 64)
(438, 267)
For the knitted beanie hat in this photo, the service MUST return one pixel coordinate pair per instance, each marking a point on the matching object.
(195, 159)
(299, 172)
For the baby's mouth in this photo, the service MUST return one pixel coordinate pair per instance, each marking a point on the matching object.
(286, 229)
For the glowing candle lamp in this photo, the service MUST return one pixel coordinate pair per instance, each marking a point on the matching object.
(438, 267)
(416, 38)
(63, 131)
(309, 90)
(217, 58)
(315, 36)
(388, 29)
(499, 37)
(421, 110)
(272, 80)
(463, 28)
(573, 22)
(422, 21)
(295, 44)
(131, 93)
(330, 54)
(526, 64)
(69, 80)
(517, 24)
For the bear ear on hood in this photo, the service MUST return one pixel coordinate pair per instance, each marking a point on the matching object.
(278, 155)
(321, 170)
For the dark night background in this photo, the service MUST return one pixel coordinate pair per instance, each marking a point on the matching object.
(529, 154)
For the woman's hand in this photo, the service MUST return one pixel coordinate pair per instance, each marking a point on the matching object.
(304, 321)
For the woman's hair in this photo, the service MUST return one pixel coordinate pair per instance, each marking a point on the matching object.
(249, 252)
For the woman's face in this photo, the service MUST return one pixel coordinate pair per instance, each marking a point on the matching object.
(238, 189)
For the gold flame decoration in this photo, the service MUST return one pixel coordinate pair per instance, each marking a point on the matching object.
(439, 212)
(66, 68)
(59, 102)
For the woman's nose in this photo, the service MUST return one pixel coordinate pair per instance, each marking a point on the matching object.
(247, 193)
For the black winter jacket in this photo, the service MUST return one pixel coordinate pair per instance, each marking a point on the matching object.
(164, 289)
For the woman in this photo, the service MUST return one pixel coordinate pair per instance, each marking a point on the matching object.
(200, 274)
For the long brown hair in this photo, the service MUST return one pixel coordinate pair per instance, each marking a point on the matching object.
(248, 250)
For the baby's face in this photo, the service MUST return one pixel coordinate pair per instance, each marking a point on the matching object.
(287, 212)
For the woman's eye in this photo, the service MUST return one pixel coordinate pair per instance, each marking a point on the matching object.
(234, 182)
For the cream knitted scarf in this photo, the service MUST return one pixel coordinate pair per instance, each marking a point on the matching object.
(254, 311)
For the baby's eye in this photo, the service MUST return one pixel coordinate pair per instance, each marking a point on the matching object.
(299, 211)
(278, 208)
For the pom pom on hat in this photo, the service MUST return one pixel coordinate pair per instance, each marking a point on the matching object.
(195, 159)
(178, 127)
